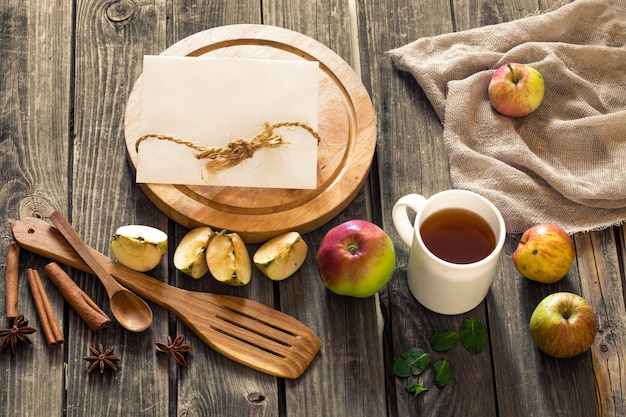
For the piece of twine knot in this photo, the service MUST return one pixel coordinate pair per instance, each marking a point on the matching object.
(220, 158)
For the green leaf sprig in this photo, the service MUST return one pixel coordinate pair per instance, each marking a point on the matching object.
(443, 341)
(415, 389)
(442, 372)
(473, 336)
(414, 361)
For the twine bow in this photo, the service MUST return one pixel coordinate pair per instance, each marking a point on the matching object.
(220, 158)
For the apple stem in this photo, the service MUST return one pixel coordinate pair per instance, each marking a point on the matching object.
(566, 314)
(513, 74)
(518, 240)
(353, 248)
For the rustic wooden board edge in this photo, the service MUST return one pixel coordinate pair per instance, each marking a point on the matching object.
(187, 208)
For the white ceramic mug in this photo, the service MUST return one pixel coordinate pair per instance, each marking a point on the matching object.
(441, 286)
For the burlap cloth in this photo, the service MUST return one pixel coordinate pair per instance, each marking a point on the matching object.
(564, 164)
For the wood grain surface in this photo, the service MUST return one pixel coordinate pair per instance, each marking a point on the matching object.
(68, 69)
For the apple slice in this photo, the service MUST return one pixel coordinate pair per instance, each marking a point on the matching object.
(281, 256)
(189, 257)
(228, 259)
(139, 247)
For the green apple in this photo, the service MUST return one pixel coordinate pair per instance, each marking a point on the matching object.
(281, 256)
(516, 90)
(139, 247)
(563, 325)
(544, 253)
(228, 259)
(356, 258)
(189, 256)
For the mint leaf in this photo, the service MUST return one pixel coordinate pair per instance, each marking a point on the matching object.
(444, 340)
(415, 389)
(411, 362)
(473, 335)
(442, 372)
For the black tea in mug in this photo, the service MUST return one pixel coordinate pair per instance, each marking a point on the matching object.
(458, 236)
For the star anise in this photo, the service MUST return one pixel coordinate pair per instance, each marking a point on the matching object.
(101, 359)
(18, 332)
(176, 348)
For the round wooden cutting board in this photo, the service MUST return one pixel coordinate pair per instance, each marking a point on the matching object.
(346, 124)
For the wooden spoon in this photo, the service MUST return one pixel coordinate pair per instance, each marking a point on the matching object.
(131, 312)
(243, 330)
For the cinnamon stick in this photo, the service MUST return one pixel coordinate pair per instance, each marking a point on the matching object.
(49, 324)
(86, 308)
(10, 280)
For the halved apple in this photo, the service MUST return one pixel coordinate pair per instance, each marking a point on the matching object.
(228, 259)
(189, 257)
(139, 247)
(281, 256)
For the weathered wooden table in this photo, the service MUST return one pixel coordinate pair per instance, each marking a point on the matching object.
(67, 70)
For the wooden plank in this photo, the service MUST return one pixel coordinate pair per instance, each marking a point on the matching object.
(213, 384)
(519, 367)
(601, 265)
(111, 40)
(594, 378)
(347, 377)
(35, 102)
(409, 126)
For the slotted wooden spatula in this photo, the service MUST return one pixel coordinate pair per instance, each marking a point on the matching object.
(243, 330)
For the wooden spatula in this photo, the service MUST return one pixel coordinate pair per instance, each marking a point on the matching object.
(243, 330)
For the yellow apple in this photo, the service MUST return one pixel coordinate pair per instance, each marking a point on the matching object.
(544, 253)
(190, 257)
(281, 256)
(139, 247)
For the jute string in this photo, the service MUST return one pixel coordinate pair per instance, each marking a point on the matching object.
(220, 158)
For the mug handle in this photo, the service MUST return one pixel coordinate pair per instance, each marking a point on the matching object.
(401, 216)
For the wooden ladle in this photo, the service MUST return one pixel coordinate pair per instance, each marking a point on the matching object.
(129, 310)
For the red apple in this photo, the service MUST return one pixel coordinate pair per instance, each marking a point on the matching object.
(563, 325)
(356, 258)
(544, 253)
(516, 90)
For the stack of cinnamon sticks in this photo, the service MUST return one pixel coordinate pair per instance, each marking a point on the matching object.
(49, 324)
(86, 308)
